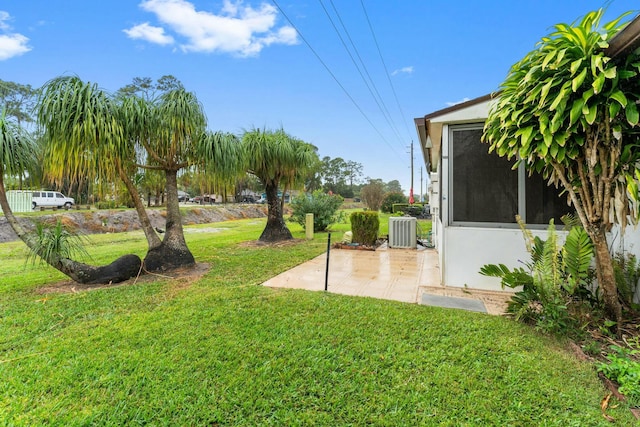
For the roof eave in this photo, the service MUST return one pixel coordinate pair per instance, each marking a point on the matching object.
(626, 40)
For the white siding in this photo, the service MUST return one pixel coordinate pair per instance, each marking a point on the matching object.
(19, 201)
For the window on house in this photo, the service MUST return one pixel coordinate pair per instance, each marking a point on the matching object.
(485, 188)
(544, 201)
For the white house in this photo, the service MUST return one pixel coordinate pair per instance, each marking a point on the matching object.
(475, 195)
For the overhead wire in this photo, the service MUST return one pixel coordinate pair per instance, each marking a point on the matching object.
(335, 78)
(395, 95)
(370, 84)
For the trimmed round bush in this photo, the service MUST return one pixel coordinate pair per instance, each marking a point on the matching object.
(365, 226)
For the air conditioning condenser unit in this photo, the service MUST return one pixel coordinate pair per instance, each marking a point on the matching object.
(402, 232)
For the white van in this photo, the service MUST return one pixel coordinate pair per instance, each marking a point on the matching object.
(50, 199)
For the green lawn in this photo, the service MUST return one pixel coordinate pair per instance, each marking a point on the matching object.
(224, 351)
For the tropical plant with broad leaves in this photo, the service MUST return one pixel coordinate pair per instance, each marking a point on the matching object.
(554, 275)
(569, 111)
(276, 159)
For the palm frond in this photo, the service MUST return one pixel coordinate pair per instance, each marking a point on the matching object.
(56, 242)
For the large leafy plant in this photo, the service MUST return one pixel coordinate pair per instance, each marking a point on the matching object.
(553, 275)
(570, 111)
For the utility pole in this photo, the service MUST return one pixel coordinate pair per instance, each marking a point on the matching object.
(421, 193)
(411, 190)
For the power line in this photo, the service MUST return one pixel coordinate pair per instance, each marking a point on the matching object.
(384, 65)
(326, 67)
(376, 96)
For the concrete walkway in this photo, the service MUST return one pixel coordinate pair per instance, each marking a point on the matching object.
(405, 275)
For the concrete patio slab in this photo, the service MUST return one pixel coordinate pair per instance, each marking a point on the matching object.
(406, 275)
(468, 304)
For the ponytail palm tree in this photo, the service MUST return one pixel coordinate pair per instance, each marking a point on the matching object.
(85, 139)
(171, 132)
(17, 154)
(276, 159)
(92, 134)
(222, 159)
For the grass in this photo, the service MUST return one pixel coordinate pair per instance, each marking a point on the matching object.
(223, 351)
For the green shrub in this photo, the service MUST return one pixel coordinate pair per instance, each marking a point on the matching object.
(55, 242)
(626, 268)
(106, 204)
(554, 276)
(391, 199)
(365, 226)
(624, 371)
(324, 208)
(399, 207)
(407, 209)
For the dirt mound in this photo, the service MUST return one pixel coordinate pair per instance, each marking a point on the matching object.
(120, 220)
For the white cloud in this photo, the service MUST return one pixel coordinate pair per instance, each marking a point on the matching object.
(149, 33)
(406, 70)
(236, 29)
(4, 16)
(11, 44)
(451, 104)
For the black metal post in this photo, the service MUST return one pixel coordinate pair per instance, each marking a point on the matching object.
(326, 273)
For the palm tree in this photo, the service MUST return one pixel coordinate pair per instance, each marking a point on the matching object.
(17, 154)
(113, 137)
(85, 139)
(171, 136)
(222, 161)
(276, 158)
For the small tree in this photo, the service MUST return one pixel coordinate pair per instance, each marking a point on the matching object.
(372, 194)
(276, 158)
(323, 206)
(569, 111)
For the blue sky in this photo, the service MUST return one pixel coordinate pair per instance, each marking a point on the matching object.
(250, 67)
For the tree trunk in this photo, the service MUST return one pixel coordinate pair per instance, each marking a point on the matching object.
(121, 269)
(152, 238)
(605, 274)
(276, 230)
(173, 252)
(8, 213)
(284, 193)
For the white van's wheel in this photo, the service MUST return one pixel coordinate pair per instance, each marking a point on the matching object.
(67, 205)
(33, 205)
